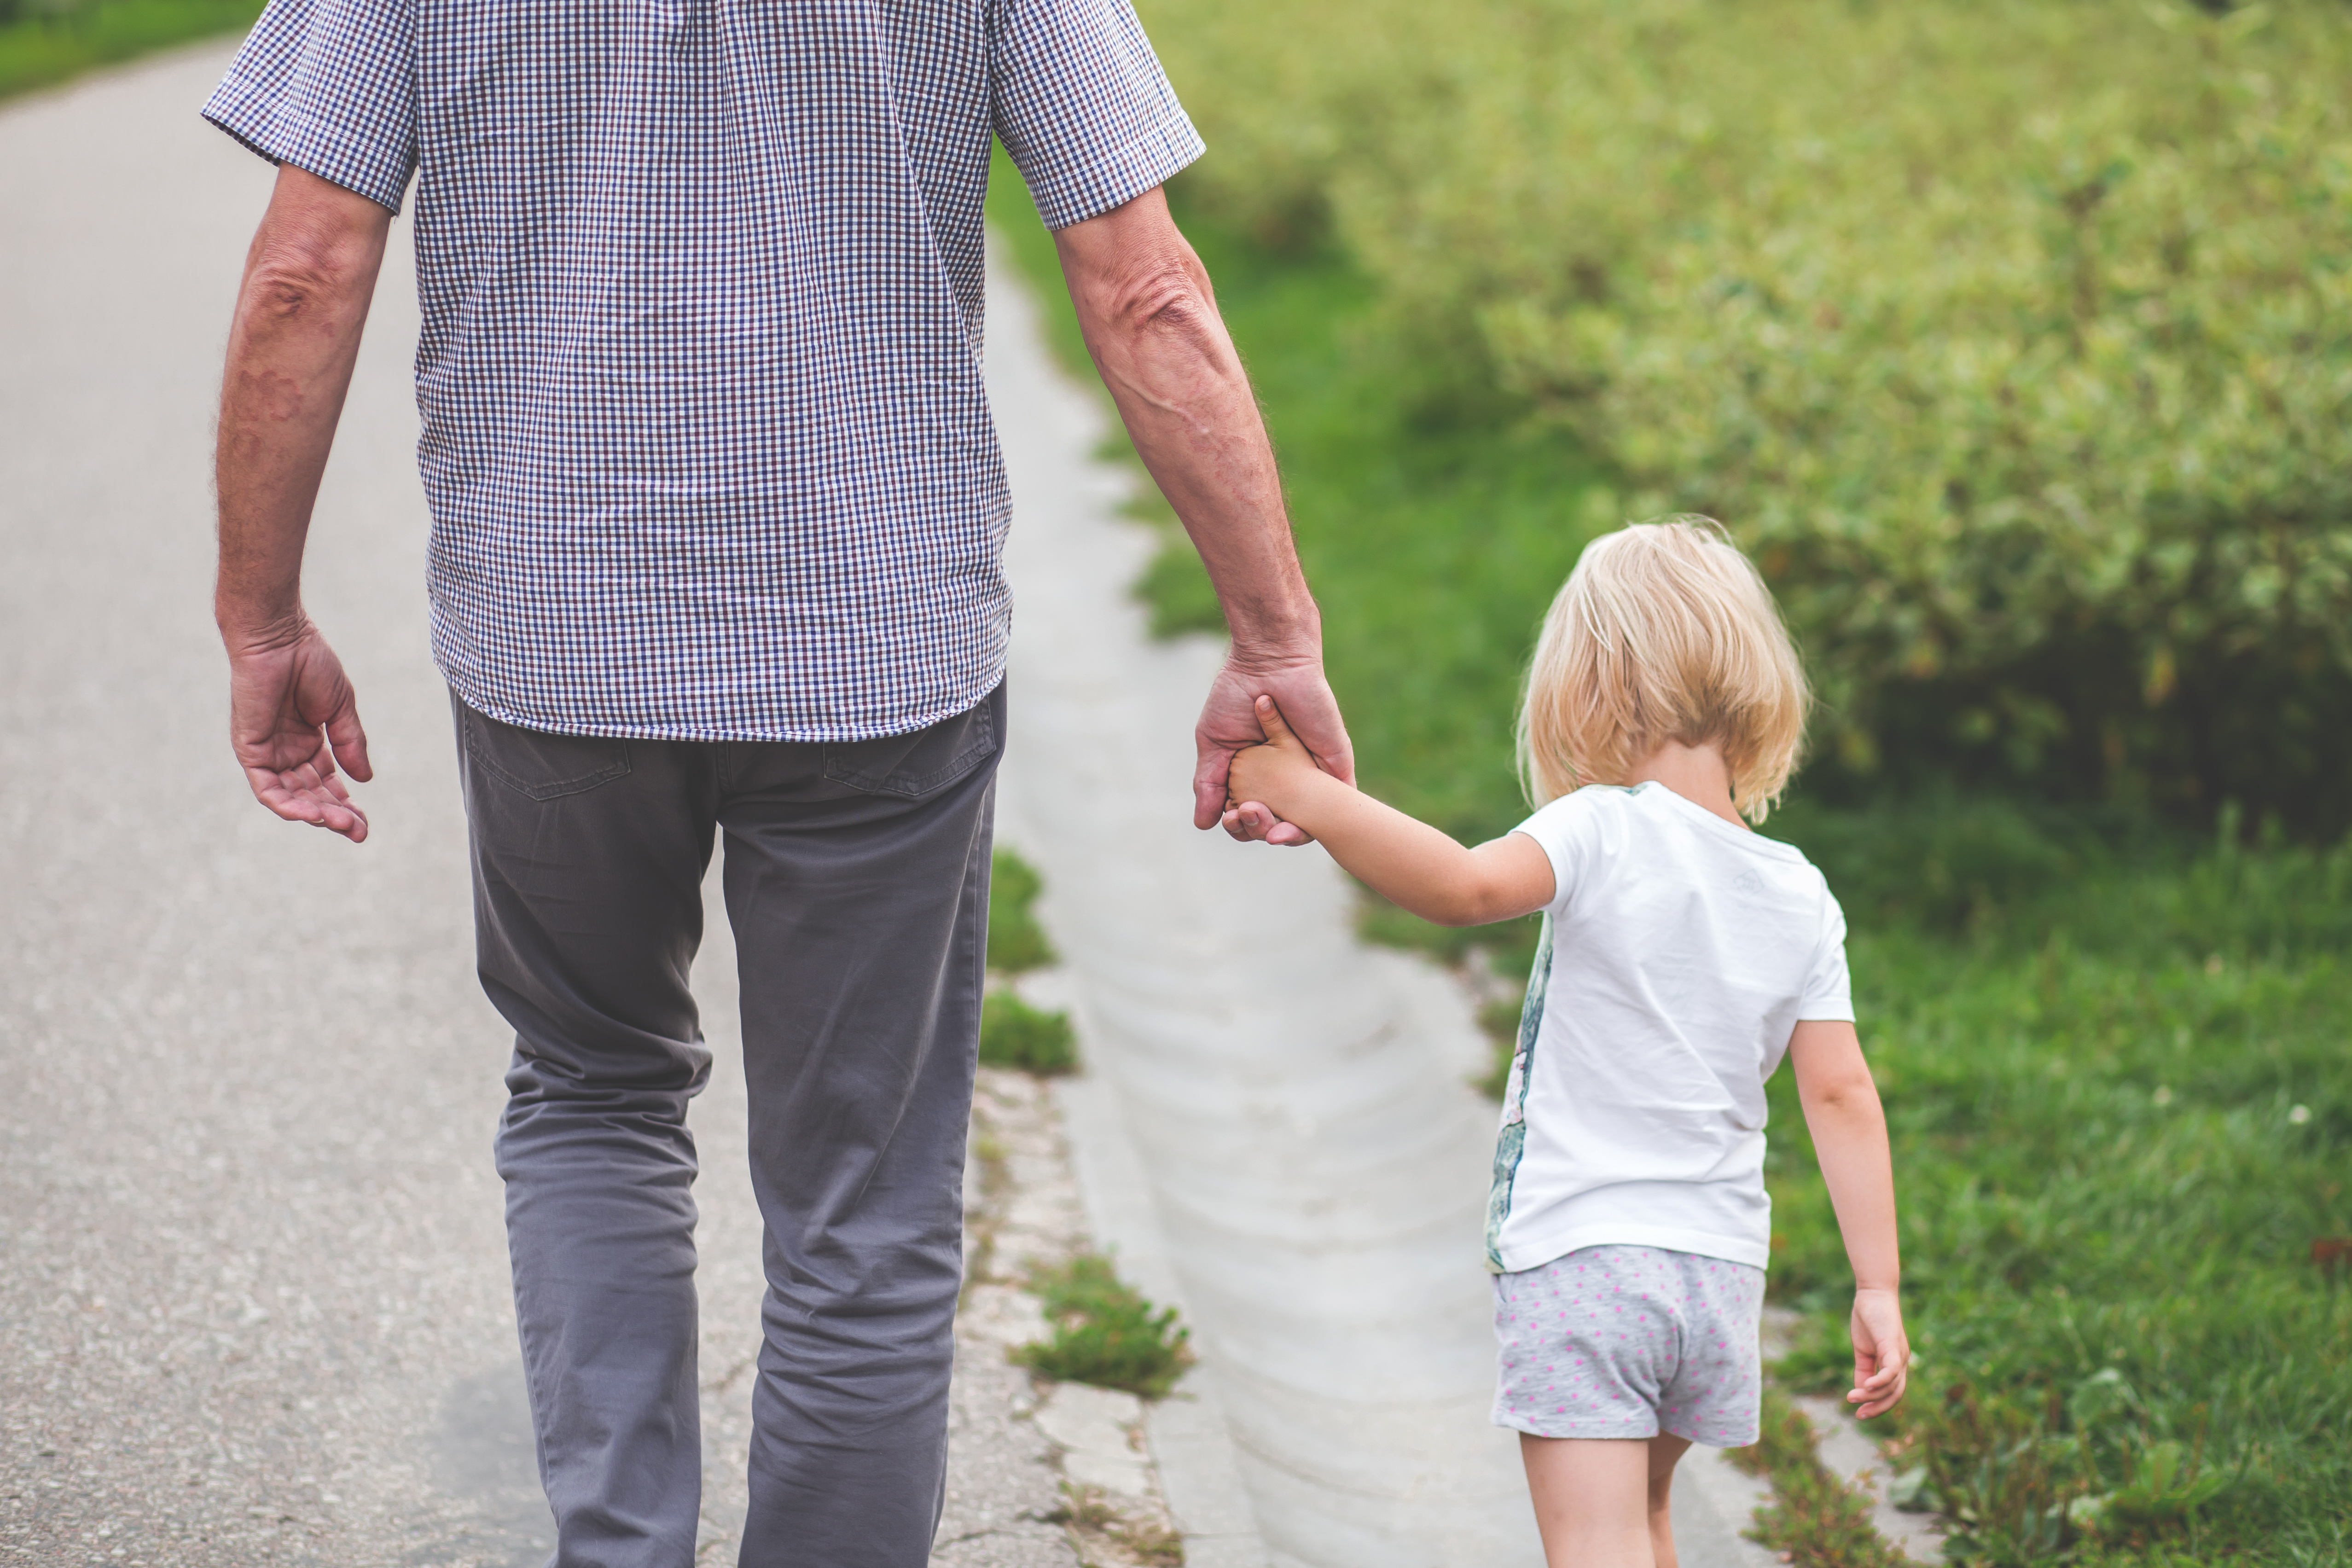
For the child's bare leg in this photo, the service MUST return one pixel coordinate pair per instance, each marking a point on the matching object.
(1591, 1497)
(1666, 1451)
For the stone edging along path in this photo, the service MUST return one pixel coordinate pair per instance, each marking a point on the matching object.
(1039, 1475)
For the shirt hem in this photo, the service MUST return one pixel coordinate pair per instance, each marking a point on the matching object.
(1520, 1255)
(757, 733)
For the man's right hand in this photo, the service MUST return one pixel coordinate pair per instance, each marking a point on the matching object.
(293, 720)
(291, 345)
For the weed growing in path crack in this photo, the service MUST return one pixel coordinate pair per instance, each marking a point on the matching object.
(1107, 1537)
(1013, 1034)
(1104, 1331)
(1016, 942)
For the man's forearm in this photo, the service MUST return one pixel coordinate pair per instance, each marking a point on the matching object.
(1151, 324)
(309, 278)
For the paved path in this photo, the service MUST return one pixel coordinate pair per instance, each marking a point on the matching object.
(254, 1306)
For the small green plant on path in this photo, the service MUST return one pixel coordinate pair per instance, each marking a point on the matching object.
(1016, 942)
(1104, 1331)
(1013, 1034)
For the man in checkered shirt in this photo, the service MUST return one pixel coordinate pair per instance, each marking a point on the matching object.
(717, 516)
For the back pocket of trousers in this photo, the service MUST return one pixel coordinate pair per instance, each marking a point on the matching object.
(915, 764)
(541, 763)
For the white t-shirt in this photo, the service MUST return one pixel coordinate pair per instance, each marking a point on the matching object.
(1679, 950)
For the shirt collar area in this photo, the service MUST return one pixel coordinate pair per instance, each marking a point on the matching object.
(1747, 837)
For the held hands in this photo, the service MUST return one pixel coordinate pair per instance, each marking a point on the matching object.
(1881, 1353)
(292, 718)
(1268, 774)
(1231, 724)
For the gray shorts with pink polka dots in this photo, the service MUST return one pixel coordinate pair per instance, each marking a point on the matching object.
(1627, 1342)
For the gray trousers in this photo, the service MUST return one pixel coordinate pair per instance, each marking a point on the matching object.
(856, 880)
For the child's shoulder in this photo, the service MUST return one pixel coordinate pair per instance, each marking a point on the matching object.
(1646, 820)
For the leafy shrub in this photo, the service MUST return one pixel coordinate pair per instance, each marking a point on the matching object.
(1013, 1034)
(1016, 942)
(2015, 340)
(1104, 1331)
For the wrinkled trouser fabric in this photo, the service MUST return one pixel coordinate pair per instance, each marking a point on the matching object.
(856, 881)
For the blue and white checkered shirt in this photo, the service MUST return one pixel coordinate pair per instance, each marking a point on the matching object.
(703, 429)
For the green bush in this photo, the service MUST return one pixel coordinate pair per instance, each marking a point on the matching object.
(1104, 1331)
(1013, 1034)
(2015, 340)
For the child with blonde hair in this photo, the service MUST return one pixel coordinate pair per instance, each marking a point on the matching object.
(1682, 955)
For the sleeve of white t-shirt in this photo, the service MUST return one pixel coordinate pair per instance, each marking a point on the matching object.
(1569, 829)
(1829, 992)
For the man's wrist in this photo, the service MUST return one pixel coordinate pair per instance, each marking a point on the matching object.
(250, 629)
(1267, 654)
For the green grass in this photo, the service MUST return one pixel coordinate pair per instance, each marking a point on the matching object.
(1814, 1518)
(38, 50)
(2121, 1105)
(1013, 1034)
(1104, 1331)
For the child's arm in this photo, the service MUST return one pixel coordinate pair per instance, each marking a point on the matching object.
(1408, 862)
(1849, 1131)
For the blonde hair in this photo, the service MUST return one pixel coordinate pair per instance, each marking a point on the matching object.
(1663, 632)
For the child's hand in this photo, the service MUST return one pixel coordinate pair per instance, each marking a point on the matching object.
(1881, 1353)
(1269, 772)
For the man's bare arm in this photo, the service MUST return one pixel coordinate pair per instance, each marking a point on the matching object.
(308, 279)
(1151, 324)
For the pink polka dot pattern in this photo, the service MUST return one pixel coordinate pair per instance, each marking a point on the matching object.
(1627, 1342)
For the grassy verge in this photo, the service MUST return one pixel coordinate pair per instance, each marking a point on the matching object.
(2121, 1108)
(39, 51)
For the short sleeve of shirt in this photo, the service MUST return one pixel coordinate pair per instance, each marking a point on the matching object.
(1081, 104)
(328, 86)
(1829, 992)
(1568, 829)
